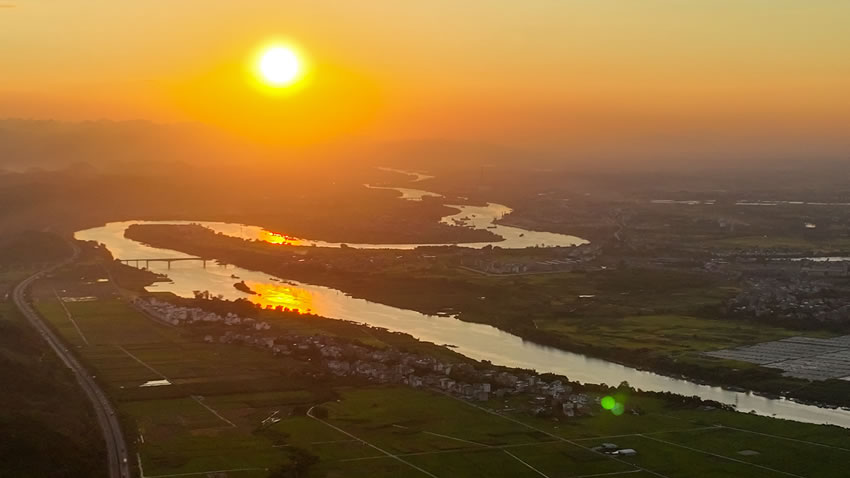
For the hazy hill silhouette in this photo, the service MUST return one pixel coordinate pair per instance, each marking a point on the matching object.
(102, 145)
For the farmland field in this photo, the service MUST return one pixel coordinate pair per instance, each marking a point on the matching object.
(245, 412)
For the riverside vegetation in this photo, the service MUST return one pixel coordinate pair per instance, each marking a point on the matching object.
(656, 318)
(240, 408)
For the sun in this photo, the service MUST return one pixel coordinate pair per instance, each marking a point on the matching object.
(279, 66)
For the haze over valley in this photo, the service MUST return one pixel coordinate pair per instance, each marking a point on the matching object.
(324, 240)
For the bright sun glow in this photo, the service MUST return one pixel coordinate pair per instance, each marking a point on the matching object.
(279, 66)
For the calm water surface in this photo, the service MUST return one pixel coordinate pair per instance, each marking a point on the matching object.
(474, 217)
(481, 342)
(408, 194)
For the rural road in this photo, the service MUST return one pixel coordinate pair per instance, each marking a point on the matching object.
(116, 447)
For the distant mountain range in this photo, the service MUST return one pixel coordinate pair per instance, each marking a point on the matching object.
(101, 145)
(128, 146)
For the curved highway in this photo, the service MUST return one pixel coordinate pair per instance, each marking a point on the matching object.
(116, 447)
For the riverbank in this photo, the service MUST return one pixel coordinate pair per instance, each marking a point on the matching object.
(241, 403)
(461, 294)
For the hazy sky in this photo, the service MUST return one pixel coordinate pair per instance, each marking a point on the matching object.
(568, 74)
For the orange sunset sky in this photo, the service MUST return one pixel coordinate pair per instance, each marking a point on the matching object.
(542, 73)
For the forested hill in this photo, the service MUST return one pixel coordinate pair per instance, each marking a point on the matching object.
(47, 426)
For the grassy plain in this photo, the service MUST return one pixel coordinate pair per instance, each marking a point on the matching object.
(446, 437)
(208, 418)
(212, 416)
(791, 242)
(666, 334)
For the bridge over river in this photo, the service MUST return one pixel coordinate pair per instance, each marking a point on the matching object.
(168, 260)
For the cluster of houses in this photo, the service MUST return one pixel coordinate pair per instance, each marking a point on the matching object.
(343, 358)
(780, 265)
(755, 252)
(791, 299)
(177, 315)
(572, 258)
(491, 266)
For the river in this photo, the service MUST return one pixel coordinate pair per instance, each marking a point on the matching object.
(477, 341)
(475, 217)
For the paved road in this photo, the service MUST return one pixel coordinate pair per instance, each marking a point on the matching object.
(115, 445)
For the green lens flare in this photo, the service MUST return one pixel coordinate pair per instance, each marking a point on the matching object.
(618, 409)
(608, 402)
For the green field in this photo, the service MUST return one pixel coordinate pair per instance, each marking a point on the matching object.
(207, 420)
(370, 429)
(215, 415)
(666, 334)
(797, 243)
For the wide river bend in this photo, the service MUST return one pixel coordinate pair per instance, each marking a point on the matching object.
(477, 341)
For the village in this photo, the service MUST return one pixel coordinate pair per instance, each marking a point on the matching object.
(540, 262)
(343, 358)
(791, 299)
